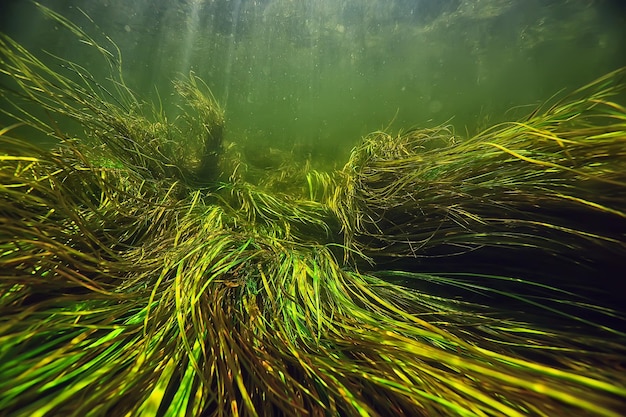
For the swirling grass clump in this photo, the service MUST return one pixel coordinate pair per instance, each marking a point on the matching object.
(139, 276)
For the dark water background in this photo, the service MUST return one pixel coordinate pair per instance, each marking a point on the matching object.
(320, 74)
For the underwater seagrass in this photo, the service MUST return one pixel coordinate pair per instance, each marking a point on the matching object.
(142, 273)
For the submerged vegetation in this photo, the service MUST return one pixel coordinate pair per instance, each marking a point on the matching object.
(145, 271)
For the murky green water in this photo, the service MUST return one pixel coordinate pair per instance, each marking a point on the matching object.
(319, 74)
